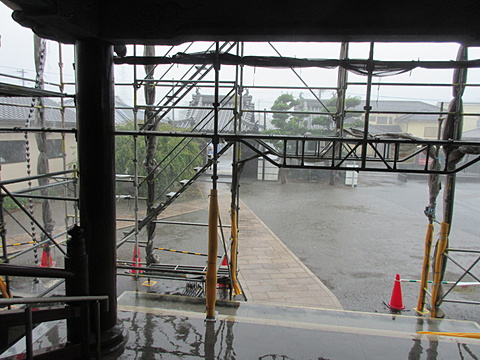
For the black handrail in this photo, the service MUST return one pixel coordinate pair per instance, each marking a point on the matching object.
(30, 271)
(28, 318)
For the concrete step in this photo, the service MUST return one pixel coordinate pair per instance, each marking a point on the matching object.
(255, 330)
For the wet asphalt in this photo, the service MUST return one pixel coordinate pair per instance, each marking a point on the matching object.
(355, 239)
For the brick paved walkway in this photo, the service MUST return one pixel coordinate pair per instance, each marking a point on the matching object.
(268, 271)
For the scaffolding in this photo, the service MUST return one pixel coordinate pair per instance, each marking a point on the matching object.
(45, 132)
(184, 72)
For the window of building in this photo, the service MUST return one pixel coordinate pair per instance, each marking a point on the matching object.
(430, 132)
(54, 148)
(12, 151)
(382, 120)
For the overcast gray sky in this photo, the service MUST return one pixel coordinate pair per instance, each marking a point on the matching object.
(16, 58)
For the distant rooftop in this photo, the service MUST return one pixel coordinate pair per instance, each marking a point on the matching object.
(202, 119)
(16, 111)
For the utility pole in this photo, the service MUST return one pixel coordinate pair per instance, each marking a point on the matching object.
(23, 72)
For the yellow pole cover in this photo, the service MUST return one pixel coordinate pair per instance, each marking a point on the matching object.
(426, 265)
(233, 254)
(455, 334)
(211, 276)
(437, 271)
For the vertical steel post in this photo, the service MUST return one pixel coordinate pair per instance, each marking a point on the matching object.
(211, 276)
(96, 156)
(235, 179)
(426, 266)
(368, 107)
(3, 233)
(438, 270)
(28, 332)
(78, 329)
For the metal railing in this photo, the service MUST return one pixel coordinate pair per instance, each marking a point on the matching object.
(77, 292)
(76, 309)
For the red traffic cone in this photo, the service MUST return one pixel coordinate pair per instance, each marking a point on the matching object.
(47, 261)
(136, 260)
(224, 261)
(223, 282)
(396, 302)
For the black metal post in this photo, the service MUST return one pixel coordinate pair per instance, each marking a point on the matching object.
(78, 329)
(96, 145)
(368, 107)
(216, 104)
(28, 333)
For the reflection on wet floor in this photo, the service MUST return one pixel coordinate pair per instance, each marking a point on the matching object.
(171, 327)
(174, 327)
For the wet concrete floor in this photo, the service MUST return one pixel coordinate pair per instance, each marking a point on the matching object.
(169, 327)
(174, 327)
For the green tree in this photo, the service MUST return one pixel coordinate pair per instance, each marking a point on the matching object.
(172, 161)
(287, 122)
(327, 122)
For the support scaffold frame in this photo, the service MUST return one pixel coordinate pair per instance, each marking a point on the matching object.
(14, 187)
(375, 153)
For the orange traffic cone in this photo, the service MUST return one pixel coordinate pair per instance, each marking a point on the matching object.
(136, 260)
(223, 282)
(47, 261)
(396, 302)
(224, 261)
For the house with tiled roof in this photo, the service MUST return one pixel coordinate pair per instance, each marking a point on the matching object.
(19, 112)
(200, 116)
(415, 117)
(19, 152)
(471, 119)
(123, 112)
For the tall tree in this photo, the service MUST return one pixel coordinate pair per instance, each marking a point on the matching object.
(326, 122)
(287, 122)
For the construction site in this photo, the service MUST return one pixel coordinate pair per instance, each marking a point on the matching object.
(124, 233)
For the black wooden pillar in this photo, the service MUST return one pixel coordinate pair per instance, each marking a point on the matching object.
(96, 145)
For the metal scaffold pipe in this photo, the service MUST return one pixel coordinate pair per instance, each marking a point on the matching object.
(211, 276)
(426, 265)
(438, 270)
(235, 179)
(234, 250)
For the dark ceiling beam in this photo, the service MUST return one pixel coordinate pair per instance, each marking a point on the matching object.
(176, 21)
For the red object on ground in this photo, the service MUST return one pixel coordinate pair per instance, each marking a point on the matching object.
(47, 260)
(396, 302)
(224, 261)
(136, 260)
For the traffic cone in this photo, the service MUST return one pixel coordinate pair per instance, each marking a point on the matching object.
(223, 282)
(47, 261)
(136, 260)
(396, 302)
(224, 261)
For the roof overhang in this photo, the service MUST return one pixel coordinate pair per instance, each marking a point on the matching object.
(161, 22)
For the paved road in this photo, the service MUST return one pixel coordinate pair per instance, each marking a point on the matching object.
(356, 239)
